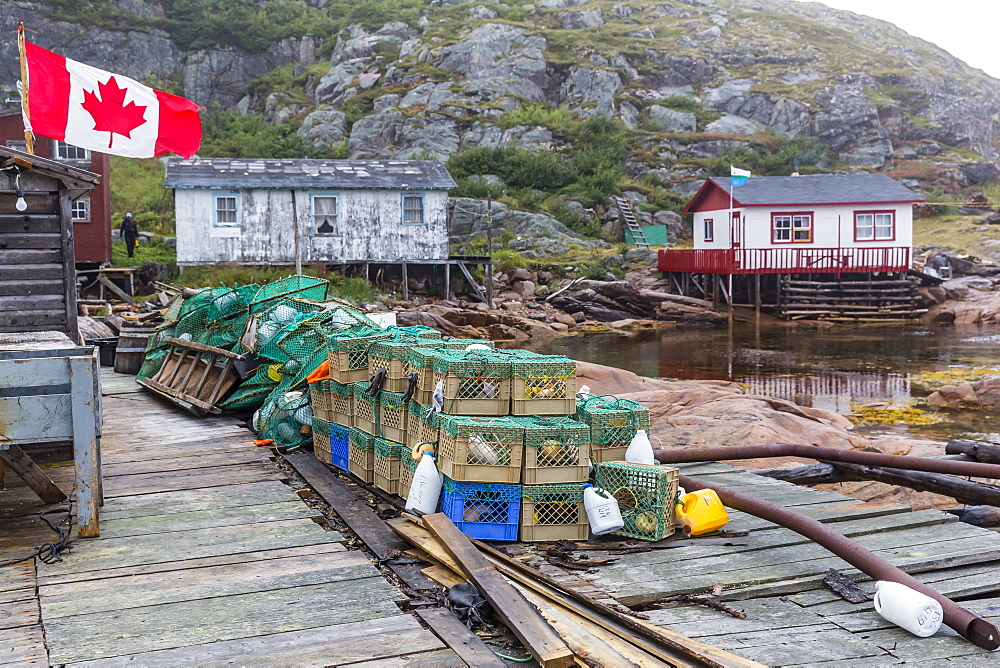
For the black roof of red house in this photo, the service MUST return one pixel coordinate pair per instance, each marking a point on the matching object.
(810, 189)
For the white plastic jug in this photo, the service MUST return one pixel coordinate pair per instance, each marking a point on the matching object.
(602, 510)
(907, 608)
(640, 450)
(425, 490)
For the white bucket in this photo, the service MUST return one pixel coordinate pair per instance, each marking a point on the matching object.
(907, 608)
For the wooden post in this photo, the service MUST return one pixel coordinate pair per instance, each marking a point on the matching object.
(86, 446)
(298, 243)
(29, 137)
(447, 280)
(406, 287)
(756, 299)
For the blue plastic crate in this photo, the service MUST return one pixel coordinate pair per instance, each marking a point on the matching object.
(339, 443)
(482, 510)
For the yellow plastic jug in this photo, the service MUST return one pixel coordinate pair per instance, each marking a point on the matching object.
(701, 512)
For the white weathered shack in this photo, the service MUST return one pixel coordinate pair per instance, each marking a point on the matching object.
(333, 211)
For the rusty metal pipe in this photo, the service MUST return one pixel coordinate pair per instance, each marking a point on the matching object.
(969, 625)
(728, 452)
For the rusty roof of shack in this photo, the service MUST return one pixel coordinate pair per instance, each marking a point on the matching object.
(308, 174)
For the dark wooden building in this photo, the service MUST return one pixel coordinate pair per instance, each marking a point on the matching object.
(91, 213)
(37, 260)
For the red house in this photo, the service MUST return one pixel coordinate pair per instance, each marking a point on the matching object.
(829, 245)
(91, 213)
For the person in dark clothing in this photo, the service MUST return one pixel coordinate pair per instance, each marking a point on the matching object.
(130, 233)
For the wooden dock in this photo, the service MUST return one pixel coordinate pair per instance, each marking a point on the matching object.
(205, 556)
(776, 578)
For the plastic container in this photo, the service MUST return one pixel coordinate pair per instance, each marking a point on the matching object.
(556, 450)
(361, 455)
(387, 465)
(553, 512)
(602, 511)
(640, 450)
(542, 384)
(907, 608)
(340, 446)
(425, 488)
(701, 512)
(646, 496)
(481, 449)
(321, 439)
(483, 511)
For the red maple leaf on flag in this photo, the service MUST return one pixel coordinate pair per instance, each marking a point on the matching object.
(110, 112)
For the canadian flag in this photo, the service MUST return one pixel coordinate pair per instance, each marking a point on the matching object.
(101, 111)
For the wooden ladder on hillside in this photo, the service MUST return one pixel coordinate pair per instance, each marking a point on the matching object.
(631, 222)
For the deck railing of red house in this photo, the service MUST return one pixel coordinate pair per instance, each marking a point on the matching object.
(785, 260)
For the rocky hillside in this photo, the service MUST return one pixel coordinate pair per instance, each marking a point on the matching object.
(690, 85)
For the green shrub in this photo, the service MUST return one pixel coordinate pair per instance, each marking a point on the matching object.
(518, 167)
(680, 103)
(506, 260)
(229, 134)
(772, 157)
(559, 120)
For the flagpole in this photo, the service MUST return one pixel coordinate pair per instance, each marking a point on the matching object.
(29, 136)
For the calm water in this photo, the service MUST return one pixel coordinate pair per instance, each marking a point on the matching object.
(824, 369)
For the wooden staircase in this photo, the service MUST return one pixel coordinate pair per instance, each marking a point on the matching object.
(631, 222)
(850, 300)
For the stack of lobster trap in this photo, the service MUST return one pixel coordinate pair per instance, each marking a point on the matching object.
(515, 442)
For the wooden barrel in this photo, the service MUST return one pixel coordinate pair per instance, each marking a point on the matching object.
(132, 346)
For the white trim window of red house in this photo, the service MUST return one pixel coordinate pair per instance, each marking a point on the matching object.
(874, 225)
(709, 229)
(794, 227)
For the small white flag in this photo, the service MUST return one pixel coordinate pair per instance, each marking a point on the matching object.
(735, 171)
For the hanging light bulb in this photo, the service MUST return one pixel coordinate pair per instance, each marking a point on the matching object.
(20, 205)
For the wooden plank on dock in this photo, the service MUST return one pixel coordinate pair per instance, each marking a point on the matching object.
(321, 646)
(109, 595)
(217, 541)
(362, 520)
(23, 646)
(206, 498)
(137, 630)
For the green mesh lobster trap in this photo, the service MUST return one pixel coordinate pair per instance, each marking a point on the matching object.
(474, 382)
(480, 449)
(646, 494)
(298, 286)
(613, 423)
(553, 512)
(556, 449)
(542, 384)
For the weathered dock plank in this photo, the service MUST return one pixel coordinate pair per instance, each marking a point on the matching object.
(321, 646)
(23, 646)
(137, 630)
(205, 519)
(200, 583)
(135, 550)
(206, 498)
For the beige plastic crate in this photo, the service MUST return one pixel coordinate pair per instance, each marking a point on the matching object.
(407, 465)
(321, 447)
(387, 465)
(480, 449)
(553, 512)
(419, 429)
(543, 396)
(361, 463)
(474, 396)
(396, 371)
(600, 455)
(556, 450)
(392, 415)
(365, 409)
(341, 404)
(319, 395)
(348, 357)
